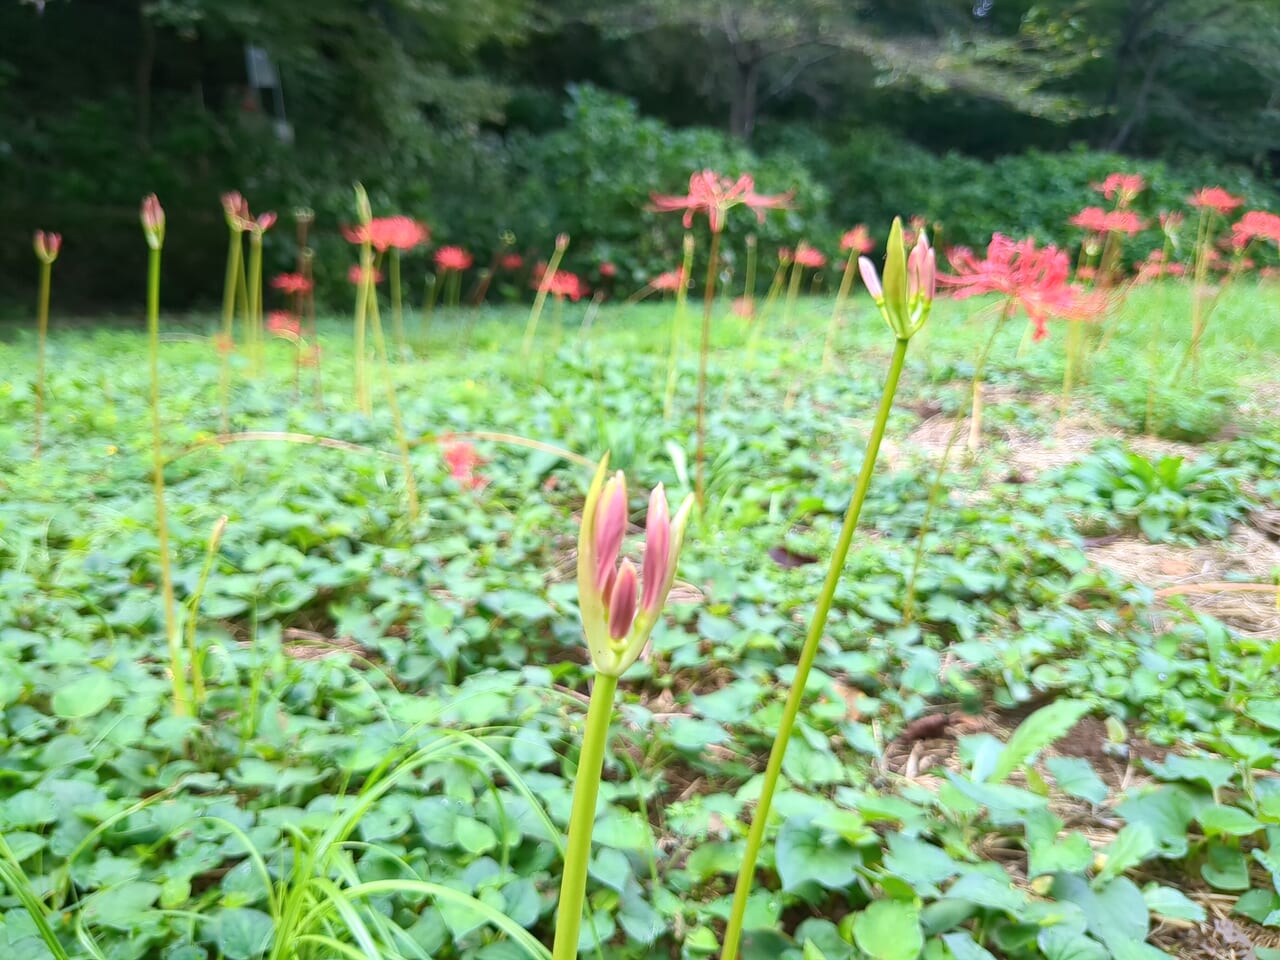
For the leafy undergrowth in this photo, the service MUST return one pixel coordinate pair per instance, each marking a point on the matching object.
(1008, 752)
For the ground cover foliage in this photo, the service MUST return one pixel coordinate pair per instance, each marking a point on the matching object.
(1020, 749)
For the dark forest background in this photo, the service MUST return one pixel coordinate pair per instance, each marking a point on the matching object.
(485, 117)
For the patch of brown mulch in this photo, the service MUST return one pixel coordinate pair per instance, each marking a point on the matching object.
(1207, 577)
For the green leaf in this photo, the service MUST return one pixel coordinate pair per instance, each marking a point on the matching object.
(964, 947)
(889, 930)
(84, 697)
(1232, 821)
(1225, 868)
(123, 906)
(474, 836)
(243, 933)
(808, 854)
(1168, 902)
(1075, 777)
(1133, 844)
(1035, 733)
(1257, 905)
(1061, 943)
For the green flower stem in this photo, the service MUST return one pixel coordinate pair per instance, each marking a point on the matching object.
(573, 884)
(677, 329)
(793, 294)
(255, 302)
(430, 291)
(757, 322)
(531, 328)
(846, 285)
(397, 311)
(181, 699)
(230, 288)
(402, 440)
(362, 307)
(193, 611)
(708, 304)
(760, 819)
(46, 274)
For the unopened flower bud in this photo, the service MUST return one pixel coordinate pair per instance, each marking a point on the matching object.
(364, 212)
(47, 246)
(657, 544)
(622, 601)
(562, 241)
(153, 222)
(610, 526)
(870, 278)
(236, 210)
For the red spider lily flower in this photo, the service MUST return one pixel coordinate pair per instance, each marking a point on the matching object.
(1093, 219)
(1121, 187)
(153, 222)
(291, 283)
(462, 460)
(453, 258)
(1216, 199)
(858, 240)
(670, 281)
(1124, 221)
(1258, 225)
(786, 255)
(47, 246)
(236, 209)
(608, 270)
(563, 284)
(1034, 279)
(355, 275)
(384, 233)
(715, 195)
(511, 262)
(283, 324)
(807, 256)
(744, 307)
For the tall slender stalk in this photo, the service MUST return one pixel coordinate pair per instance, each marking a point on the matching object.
(757, 324)
(582, 815)
(194, 659)
(362, 309)
(181, 698)
(677, 327)
(540, 299)
(793, 294)
(230, 287)
(846, 287)
(256, 344)
(42, 335)
(708, 304)
(402, 440)
(431, 290)
(749, 286)
(307, 258)
(397, 312)
(760, 818)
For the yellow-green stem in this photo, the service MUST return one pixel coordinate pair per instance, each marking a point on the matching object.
(582, 816)
(749, 287)
(255, 301)
(708, 304)
(429, 294)
(230, 288)
(42, 334)
(531, 328)
(846, 286)
(380, 350)
(362, 308)
(397, 312)
(793, 294)
(194, 659)
(760, 818)
(181, 699)
(1075, 345)
(757, 323)
(677, 328)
